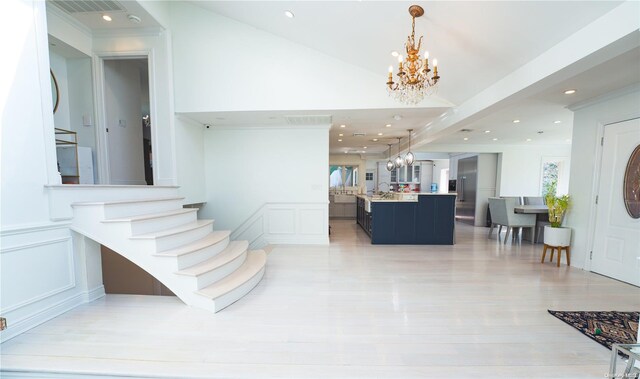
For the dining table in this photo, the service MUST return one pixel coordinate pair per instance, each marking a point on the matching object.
(538, 209)
(541, 210)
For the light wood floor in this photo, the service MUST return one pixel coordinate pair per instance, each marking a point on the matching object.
(475, 310)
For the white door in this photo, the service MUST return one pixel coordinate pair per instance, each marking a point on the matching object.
(616, 247)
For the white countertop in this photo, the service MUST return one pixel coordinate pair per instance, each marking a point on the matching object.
(378, 200)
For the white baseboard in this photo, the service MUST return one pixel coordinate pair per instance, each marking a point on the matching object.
(94, 294)
(40, 317)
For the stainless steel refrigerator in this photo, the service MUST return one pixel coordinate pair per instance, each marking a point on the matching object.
(466, 187)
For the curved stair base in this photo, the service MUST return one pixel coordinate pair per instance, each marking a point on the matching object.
(201, 266)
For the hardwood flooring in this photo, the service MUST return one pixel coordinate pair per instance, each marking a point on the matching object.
(477, 309)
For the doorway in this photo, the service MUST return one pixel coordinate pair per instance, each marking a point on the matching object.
(127, 121)
(616, 245)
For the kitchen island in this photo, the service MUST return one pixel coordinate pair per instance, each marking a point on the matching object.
(412, 219)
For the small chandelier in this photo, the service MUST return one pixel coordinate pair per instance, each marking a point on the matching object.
(414, 81)
(409, 158)
(390, 164)
(398, 162)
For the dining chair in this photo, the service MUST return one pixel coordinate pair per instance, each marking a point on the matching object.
(542, 219)
(517, 199)
(503, 214)
(533, 200)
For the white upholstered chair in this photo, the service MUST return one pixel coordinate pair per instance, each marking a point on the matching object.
(503, 214)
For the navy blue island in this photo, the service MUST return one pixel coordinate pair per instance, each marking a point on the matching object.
(410, 219)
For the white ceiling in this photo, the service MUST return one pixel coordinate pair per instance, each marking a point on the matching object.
(476, 42)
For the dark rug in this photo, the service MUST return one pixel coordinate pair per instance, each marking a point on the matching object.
(606, 328)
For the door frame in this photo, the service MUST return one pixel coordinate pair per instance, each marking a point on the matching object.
(102, 139)
(595, 185)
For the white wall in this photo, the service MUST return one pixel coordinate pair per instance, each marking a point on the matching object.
(521, 173)
(589, 120)
(245, 168)
(190, 160)
(40, 273)
(213, 54)
(519, 166)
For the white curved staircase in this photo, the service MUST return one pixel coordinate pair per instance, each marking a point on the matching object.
(201, 266)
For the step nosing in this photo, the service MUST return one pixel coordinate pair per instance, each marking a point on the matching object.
(125, 201)
(223, 257)
(230, 280)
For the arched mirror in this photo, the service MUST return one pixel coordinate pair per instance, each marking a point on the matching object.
(55, 92)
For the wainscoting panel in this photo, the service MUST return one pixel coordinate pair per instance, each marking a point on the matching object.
(281, 220)
(286, 223)
(40, 276)
(312, 222)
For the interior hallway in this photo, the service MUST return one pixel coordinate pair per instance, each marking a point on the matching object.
(475, 309)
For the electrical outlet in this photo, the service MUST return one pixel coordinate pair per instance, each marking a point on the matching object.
(3, 323)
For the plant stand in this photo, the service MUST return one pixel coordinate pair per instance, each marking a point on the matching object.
(566, 249)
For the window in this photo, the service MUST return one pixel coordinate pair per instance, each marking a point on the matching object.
(343, 176)
(369, 176)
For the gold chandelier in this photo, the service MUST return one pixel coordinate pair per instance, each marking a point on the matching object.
(415, 80)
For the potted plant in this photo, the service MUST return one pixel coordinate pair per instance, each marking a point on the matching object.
(555, 234)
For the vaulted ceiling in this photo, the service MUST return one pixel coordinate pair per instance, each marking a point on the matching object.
(478, 44)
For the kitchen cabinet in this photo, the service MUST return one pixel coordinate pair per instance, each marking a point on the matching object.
(342, 206)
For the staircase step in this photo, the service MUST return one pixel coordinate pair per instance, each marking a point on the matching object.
(133, 207)
(217, 268)
(198, 251)
(178, 236)
(233, 250)
(150, 216)
(239, 283)
(211, 239)
(148, 223)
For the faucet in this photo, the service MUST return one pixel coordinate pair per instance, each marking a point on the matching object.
(388, 186)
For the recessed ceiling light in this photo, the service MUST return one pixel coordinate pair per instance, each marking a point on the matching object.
(487, 131)
(379, 134)
(466, 138)
(339, 140)
(516, 121)
(528, 139)
(340, 135)
(364, 147)
(106, 17)
(388, 125)
(570, 92)
(495, 139)
(557, 121)
(375, 140)
(343, 126)
(394, 53)
(289, 14)
(346, 152)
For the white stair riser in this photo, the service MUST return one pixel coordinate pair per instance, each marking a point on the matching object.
(220, 272)
(180, 239)
(138, 209)
(238, 292)
(195, 257)
(162, 223)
